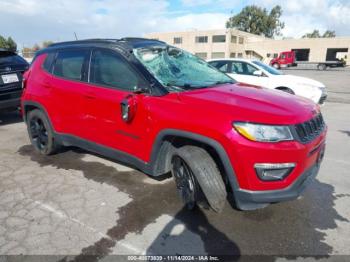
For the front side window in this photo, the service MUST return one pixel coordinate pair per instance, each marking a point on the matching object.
(69, 64)
(110, 70)
(243, 68)
(178, 69)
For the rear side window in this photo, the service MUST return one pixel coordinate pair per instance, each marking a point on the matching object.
(221, 65)
(111, 70)
(70, 64)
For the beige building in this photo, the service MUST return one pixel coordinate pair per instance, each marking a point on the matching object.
(225, 43)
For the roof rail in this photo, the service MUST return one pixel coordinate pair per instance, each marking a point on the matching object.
(139, 39)
(84, 41)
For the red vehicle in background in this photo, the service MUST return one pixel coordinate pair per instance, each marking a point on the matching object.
(285, 59)
(290, 58)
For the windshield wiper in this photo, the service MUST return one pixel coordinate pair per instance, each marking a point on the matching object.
(224, 82)
(184, 86)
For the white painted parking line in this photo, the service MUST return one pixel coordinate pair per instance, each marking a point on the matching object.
(62, 215)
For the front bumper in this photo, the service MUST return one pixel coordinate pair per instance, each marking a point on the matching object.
(250, 200)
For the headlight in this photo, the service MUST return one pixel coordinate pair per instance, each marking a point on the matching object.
(263, 133)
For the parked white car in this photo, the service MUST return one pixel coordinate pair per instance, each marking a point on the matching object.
(255, 72)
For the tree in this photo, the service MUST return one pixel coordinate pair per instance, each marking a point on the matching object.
(316, 34)
(8, 43)
(257, 20)
(46, 44)
(329, 33)
(30, 51)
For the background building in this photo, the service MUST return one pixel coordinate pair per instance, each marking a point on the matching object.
(225, 43)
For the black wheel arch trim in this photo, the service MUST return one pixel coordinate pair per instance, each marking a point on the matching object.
(202, 139)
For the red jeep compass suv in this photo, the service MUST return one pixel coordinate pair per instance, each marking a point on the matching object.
(160, 109)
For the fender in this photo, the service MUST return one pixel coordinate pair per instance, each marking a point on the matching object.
(200, 138)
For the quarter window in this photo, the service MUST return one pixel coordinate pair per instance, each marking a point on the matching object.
(111, 70)
(69, 64)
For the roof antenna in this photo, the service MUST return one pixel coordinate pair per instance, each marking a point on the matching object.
(75, 34)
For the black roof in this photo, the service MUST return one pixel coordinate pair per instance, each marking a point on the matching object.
(126, 43)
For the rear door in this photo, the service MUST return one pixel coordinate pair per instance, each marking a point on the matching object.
(113, 80)
(68, 88)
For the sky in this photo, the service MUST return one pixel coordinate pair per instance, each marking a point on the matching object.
(34, 21)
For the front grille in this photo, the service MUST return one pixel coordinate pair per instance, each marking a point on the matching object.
(311, 129)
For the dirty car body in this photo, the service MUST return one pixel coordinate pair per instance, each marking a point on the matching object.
(160, 109)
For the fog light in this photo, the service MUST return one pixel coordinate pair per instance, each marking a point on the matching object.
(272, 172)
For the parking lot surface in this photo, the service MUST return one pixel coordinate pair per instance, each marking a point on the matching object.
(76, 203)
(337, 81)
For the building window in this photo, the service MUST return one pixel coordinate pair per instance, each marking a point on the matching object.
(233, 55)
(240, 40)
(201, 39)
(201, 55)
(234, 39)
(219, 38)
(177, 40)
(218, 55)
(239, 55)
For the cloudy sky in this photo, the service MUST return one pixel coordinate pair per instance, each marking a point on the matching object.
(33, 21)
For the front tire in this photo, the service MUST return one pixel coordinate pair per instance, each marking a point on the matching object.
(276, 65)
(197, 178)
(40, 133)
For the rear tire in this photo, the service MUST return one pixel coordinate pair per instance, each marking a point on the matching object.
(197, 178)
(40, 133)
(321, 67)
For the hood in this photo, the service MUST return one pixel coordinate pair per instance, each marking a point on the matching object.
(299, 80)
(248, 103)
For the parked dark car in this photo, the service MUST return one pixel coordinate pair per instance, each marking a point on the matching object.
(12, 67)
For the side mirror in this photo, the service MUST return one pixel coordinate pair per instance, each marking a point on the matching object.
(141, 90)
(128, 108)
(258, 73)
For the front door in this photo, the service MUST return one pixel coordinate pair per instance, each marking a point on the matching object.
(244, 72)
(112, 82)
